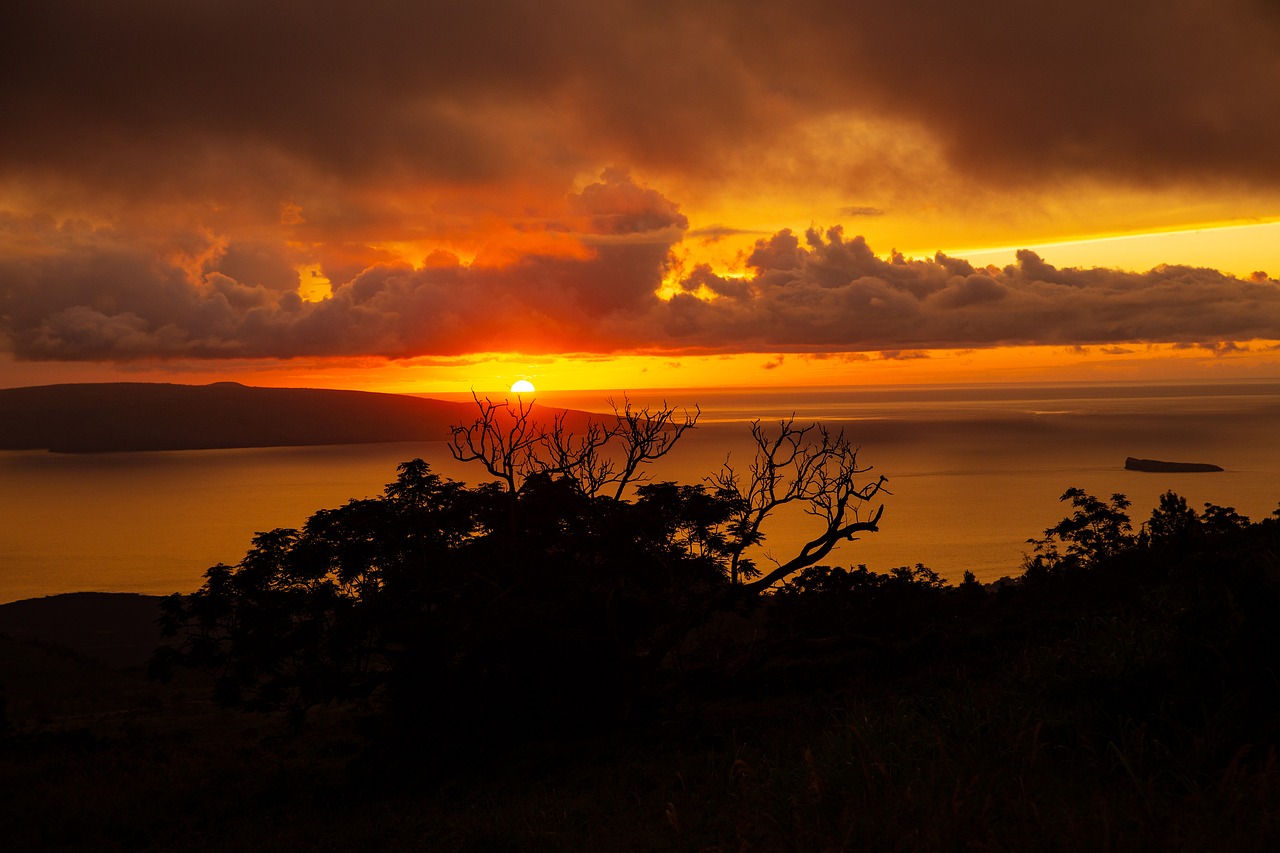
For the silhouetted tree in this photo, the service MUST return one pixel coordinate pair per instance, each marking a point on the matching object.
(1222, 519)
(512, 445)
(643, 434)
(826, 601)
(1172, 521)
(327, 612)
(547, 598)
(808, 466)
(1094, 533)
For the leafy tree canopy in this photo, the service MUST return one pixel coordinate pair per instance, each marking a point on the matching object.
(557, 588)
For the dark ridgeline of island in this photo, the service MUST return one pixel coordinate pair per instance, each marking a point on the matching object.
(96, 418)
(1158, 467)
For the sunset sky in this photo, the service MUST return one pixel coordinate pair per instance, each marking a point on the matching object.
(432, 197)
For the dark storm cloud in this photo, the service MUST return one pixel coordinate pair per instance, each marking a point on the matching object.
(1151, 91)
(145, 91)
(140, 91)
(258, 265)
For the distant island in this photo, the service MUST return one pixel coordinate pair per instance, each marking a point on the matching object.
(1159, 467)
(124, 416)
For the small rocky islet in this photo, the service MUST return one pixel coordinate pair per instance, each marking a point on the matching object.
(1158, 466)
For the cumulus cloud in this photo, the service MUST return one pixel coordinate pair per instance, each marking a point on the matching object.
(831, 292)
(96, 295)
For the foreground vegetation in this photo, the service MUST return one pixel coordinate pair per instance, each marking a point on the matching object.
(552, 665)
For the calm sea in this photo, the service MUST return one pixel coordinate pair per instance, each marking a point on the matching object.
(973, 472)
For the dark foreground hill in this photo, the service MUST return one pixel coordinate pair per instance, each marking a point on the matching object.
(1118, 697)
(118, 628)
(92, 418)
(1130, 709)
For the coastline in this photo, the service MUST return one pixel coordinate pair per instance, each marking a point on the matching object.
(971, 481)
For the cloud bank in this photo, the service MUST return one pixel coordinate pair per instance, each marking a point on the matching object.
(826, 292)
(96, 294)
(169, 170)
(496, 89)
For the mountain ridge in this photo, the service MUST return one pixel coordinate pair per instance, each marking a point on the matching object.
(143, 416)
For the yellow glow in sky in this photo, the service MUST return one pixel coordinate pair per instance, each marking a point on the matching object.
(313, 285)
(1240, 250)
(498, 374)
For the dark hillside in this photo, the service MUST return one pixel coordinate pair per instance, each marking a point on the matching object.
(118, 628)
(1120, 695)
(94, 418)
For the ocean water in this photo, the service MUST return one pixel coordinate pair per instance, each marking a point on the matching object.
(973, 472)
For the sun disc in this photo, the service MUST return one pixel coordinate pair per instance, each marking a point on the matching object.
(522, 386)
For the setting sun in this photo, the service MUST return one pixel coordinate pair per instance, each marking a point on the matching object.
(522, 386)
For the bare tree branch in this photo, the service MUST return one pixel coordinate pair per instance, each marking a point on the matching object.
(581, 458)
(502, 438)
(806, 465)
(817, 548)
(646, 436)
(608, 455)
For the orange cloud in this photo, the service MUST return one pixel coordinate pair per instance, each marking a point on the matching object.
(94, 294)
(167, 169)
